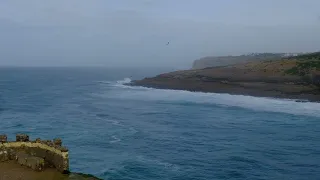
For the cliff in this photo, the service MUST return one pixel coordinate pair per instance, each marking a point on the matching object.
(290, 77)
(213, 61)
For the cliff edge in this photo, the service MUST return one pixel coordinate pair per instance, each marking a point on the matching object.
(213, 61)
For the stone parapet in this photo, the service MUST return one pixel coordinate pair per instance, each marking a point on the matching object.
(37, 154)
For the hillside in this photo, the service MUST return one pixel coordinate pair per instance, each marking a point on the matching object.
(293, 77)
(213, 61)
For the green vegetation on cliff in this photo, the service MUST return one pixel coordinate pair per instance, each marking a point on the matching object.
(213, 61)
(306, 64)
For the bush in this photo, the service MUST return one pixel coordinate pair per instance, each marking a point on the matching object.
(304, 67)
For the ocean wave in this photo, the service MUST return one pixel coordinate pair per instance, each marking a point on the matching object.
(115, 139)
(119, 82)
(124, 81)
(133, 130)
(104, 82)
(165, 165)
(226, 100)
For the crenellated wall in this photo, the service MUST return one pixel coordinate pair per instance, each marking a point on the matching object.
(38, 154)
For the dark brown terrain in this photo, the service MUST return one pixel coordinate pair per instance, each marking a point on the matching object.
(14, 171)
(294, 78)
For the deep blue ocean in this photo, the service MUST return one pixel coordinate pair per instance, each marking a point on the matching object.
(118, 132)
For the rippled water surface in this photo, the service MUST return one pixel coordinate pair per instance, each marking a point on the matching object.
(118, 132)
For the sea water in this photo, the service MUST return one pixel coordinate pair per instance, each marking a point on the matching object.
(119, 132)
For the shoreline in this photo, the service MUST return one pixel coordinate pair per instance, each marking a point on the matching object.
(232, 89)
(296, 78)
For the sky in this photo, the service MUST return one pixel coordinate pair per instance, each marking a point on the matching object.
(117, 33)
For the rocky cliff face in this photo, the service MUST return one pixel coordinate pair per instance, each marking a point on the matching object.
(213, 61)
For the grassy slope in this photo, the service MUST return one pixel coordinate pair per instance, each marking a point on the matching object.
(294, 69)
(215, 61)
(305, 64)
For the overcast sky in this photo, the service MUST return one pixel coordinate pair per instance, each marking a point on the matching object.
(135, 32)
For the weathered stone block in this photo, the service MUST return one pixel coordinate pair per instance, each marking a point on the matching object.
(4, 156)
(21, 158)
(11, 154)
(3, 138)
(63, 149)
(35, 163)
(38, 152)
(22, 138)
(57, 142)
(48, 142)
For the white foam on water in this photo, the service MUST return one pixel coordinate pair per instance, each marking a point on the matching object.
(115, 139)
(166, 165)
(124, 81)
(133, 130)
(250, 102)
(114, 122)
(104, 82)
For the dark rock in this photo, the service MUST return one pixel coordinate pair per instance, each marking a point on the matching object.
(3, 138)
(22, 138)
(4, 156)
(57, 142)
(11, 154)
(48, 142)
(80, 176)
(21, 158)
(64, 149)
(35, 163)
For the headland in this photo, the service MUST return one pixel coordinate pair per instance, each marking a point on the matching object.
(294, 77)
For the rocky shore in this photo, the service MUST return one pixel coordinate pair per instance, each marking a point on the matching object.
(292, 78)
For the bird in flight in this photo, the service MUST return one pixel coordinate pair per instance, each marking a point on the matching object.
(168, 43)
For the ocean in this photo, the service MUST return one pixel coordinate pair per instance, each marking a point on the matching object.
(118, 132)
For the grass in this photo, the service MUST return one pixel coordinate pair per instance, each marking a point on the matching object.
(305, 64)
(309, 56)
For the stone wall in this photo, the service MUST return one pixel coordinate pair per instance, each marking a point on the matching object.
(38, 154)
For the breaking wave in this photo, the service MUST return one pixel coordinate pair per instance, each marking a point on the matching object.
(124, 81)
(249, 102)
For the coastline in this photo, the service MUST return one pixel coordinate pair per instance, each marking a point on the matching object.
(221, 88)
(236, 81)
(296, 78)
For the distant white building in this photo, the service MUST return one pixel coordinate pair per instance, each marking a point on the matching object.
(290, 54)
